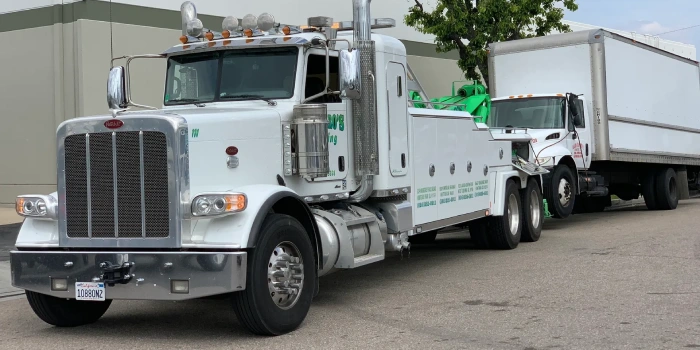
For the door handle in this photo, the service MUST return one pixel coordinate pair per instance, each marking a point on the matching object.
(573, 136)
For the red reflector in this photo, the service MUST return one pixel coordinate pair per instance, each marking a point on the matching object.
(114, 124)
(231, 150)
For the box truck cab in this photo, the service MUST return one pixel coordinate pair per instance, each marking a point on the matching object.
(561, 140)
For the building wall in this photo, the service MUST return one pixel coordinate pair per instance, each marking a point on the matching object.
(61, 57)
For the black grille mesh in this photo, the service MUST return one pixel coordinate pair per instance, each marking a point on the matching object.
(94, 208)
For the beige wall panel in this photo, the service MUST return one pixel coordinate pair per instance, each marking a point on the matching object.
(147, 75)
(27, 150)
(435, 74)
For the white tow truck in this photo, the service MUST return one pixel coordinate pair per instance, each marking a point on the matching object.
(281, 154)
(608, 116)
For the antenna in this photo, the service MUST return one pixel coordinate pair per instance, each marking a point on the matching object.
(111, 35)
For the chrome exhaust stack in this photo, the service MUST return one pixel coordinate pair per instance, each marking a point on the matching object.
(364, 109)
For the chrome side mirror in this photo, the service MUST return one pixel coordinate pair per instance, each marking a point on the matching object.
(116, 88)
(349, 74)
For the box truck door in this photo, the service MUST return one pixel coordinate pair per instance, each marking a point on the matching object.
(579, 140)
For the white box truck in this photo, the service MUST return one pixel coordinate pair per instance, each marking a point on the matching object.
(608, 116)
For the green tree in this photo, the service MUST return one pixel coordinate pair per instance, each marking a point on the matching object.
(481, 22)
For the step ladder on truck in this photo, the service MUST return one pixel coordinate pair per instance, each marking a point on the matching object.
(281, 154)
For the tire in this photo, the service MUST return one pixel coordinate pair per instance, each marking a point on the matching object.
(255, 307)
(649, 189)
(666, 187)
(533, 212)
(62, 312)
(563, 176)
(504, 232)
(423, 238)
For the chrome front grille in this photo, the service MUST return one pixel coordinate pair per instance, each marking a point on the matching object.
(116, 185)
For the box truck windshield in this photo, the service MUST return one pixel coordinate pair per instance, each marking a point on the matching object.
(532, 113)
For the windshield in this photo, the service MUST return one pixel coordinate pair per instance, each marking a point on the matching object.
(533, 113)
(267, 73)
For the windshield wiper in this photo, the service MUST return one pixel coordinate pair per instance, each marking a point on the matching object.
(254, 97)
(195, 101)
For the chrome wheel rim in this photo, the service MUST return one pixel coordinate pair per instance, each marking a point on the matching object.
(535, 209)
(513, 214)
(285, 275)
(564, 192)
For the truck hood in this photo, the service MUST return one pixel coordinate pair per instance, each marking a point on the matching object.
(545, 148)
(254, 132)
(239, 123)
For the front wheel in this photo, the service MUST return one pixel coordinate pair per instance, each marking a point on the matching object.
(560, 192)
(61, 312)
(281, 278)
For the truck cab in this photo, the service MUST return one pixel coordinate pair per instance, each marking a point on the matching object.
(560, 126)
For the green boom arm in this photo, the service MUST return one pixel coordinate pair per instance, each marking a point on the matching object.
(470, 98)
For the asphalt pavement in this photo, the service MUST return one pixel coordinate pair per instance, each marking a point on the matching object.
(622, 279)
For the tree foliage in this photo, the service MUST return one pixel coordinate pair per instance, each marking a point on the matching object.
(481, 22)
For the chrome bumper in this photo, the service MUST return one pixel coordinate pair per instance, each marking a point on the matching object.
(149, 278)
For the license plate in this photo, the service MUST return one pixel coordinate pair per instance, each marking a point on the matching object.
(94, 291)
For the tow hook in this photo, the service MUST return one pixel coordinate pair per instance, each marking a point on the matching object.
(113, 274)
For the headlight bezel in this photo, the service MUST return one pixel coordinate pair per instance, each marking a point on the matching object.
(217, 204)
(542, 161)
(29, 205)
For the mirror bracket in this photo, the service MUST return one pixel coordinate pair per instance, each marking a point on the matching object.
(119, 86)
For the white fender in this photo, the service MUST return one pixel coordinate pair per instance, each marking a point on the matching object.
(38, 233)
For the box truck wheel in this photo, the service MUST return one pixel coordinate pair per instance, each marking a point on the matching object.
(649, 189)
(560, 192)
(666, 189)
(62, 312)
(533, 212)
(280, 281)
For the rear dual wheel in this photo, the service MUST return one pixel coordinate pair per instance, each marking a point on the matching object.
(500, 232)
(660, 189)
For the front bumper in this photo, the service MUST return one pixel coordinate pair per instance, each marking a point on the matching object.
(150, 276)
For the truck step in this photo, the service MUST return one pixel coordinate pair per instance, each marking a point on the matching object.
(368, 259)
(598, 192)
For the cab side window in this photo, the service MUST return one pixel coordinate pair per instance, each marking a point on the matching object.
(582, 114)
(316, 78)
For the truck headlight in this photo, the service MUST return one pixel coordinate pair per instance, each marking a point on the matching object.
(216, 204)
(544, 160)
(37, 206)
